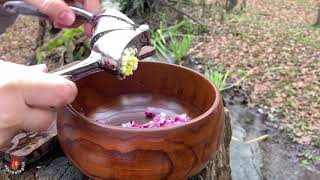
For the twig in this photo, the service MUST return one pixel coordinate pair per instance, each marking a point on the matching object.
(195, 47)
(261, 138)
(236, 139)
(239, 81)
(264, 14)
(316, 82)
(166, 3)
(194, 36)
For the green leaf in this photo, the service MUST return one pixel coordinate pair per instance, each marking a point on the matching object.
(181, 48)
(80, 53)
(39, 56)
(67, 35)
(305, 162)
(218, 78)
(70, 33)
(55, 42)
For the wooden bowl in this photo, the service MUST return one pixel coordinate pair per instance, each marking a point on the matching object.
(108, 151)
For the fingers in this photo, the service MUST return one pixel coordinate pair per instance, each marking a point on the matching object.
(62, 15)
(57, 10)
(47, 90)
(37, 120)
(39, 67)
(40, 89)
(92, 6)
(74, 25)
(18, 68)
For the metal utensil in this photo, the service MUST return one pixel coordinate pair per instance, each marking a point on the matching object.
(113, 33)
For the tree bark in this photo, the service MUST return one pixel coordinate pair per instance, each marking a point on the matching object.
(318, 15)
(219, 168)
(243, 4)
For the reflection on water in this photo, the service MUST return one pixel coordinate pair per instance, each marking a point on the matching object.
(125, 108)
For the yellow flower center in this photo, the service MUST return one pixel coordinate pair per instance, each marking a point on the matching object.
(129, 62)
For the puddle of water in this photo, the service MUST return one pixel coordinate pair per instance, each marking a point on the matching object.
(246, 160)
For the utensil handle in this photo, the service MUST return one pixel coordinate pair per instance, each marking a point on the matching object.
(74, 72)
(77, 70)
(21, 7)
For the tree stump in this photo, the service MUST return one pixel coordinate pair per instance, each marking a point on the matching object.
(219, 168)
(55, 164)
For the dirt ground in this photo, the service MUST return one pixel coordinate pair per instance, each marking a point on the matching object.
(20, 40)
(275, 47)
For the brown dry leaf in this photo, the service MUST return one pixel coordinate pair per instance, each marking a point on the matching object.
(260, 88)
(305, 140)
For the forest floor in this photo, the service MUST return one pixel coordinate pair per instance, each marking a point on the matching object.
(275, 49)
(272, 49)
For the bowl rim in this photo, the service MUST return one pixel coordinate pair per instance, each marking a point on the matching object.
(177, 126)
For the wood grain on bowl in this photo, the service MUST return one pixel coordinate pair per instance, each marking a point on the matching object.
(106, 151)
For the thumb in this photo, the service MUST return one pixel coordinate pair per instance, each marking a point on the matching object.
(39, 67)
(43, 90)
(57, 10)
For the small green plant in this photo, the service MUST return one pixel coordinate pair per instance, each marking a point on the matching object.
(305, 162)
(67, 35)
(309, 157)
(315, 141)
(66, 39)
(300, 124)
(217, 77)
(181, 48)
(174, 39)
(158, 40)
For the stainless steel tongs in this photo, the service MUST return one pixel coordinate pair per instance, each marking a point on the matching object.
(113, 33)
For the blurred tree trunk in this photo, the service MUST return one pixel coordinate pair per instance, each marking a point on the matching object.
(230, 4)
(318, 15)
(243, 4)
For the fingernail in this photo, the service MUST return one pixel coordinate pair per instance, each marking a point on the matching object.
(73, 87)
(41, 67)
(44, 67)
(66, 18)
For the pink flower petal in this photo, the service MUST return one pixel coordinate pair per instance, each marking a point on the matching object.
(182, 118)
(150, 112)
(160, 119)
(129, 124)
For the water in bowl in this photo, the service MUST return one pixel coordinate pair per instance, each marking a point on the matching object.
(128, 107)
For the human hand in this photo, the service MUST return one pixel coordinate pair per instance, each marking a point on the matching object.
(62, 15)
(28, 97)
